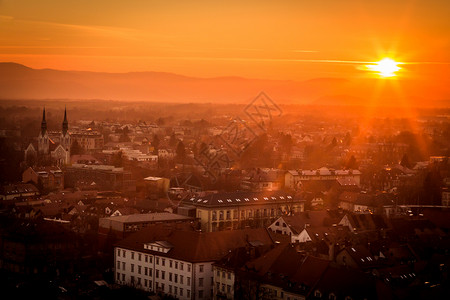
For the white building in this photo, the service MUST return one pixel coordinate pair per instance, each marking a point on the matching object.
(177, 262)
(293, 178)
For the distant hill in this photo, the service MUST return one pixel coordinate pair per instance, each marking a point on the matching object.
(21, 82)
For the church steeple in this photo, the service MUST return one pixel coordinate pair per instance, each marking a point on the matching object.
(43, 123)
(65, 124)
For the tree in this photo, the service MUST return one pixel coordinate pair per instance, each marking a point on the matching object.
(173, 140)
(348, 139)
(117, 159)
(156, 141)
(405, 161)
(75, 148)
(352, 164)
(181, 151)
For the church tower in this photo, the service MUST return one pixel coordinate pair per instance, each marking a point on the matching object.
(65, 140)
(43, 142)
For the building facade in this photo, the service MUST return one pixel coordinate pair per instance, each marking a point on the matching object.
(226, 211)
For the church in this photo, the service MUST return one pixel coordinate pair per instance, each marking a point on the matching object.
(52, 148)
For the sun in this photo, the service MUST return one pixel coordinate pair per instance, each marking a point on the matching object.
(385, 67)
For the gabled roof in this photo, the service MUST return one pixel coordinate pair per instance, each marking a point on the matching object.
(194, 246)
(343, 282)
(319, 218)
(361, 255)
(284, 266)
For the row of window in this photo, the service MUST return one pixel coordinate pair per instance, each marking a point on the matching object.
(228, 274)
(223, 287)
(226, 215)
(147, 284)
(149, 259)
(173, 290)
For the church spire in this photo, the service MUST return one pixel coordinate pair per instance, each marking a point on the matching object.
(43, 123)
(65, 124)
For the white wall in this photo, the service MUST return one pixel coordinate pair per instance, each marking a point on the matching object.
(181, 279)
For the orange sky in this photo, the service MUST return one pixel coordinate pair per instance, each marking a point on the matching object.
(285, 39)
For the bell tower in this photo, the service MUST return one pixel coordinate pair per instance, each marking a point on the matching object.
(65, 140)
(43, 136)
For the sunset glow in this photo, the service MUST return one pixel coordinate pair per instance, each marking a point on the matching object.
(385, 67)
(282, 40)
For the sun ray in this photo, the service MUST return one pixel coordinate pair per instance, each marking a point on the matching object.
(385, 67)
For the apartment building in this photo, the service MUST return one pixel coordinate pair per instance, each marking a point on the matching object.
(175, 262)
(226, 211)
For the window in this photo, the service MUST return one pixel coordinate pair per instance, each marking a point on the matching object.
(163, 275)
(170, 289)
(163, 262)
(123, 266)
(124, 253)
(181, 279)
(200, 294)
(228, 288)
(181, 266)
(157, 273)
(200, 282)
(181, 291)
(189, 281)
(145, 271)
(170, 276)
(150, 272)
(217, 286)
(176, 265)
(118, 252)
(157, 260)
(220, 215)
(139, 281)
(229, 275)
(170, 263)
(218, 273)
(145, 282)
(189, 267)
(118, 276)
(132, 255)
(223, 287)
(132, 267)
(139, 256)
(162, 287)
(176, 278)
(214, 216)
(151, 259)
(175, 290)
(188, 293)
(223, 274)
(200, 268)
(235, 214)
(228, 215)
(132, 279)
(118, 265)
(123, 277)
(146, 258)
